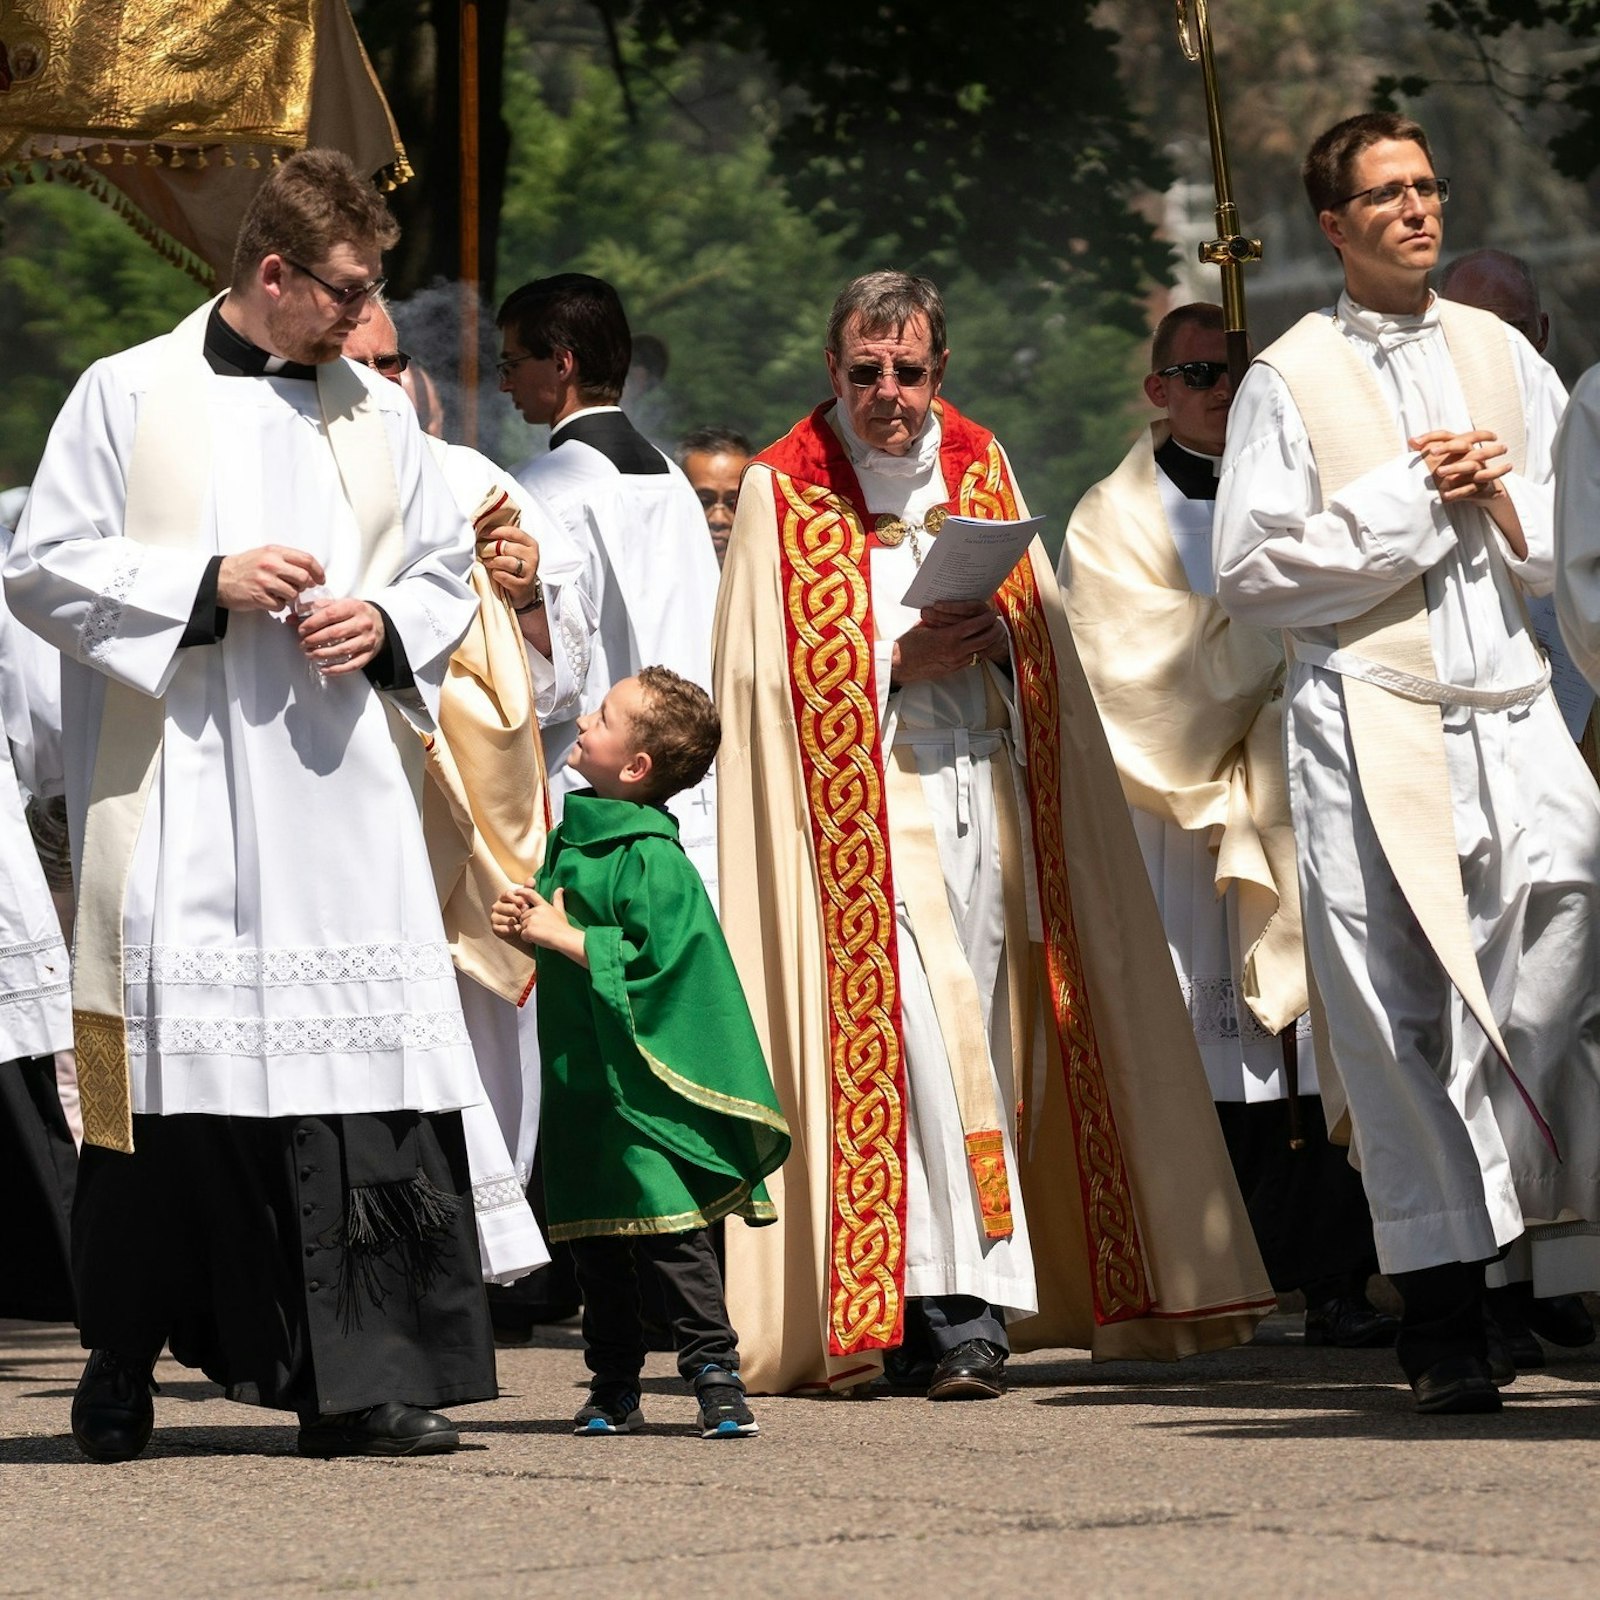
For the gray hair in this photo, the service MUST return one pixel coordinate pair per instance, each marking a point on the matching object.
(884, 302)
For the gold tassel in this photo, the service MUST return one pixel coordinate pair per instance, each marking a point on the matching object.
(104, 157)
(154, 158)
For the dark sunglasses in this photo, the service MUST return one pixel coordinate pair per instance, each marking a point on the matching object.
(1196, 374)
(863, 375)
(388, 365)
(346, 296)
(710, 499)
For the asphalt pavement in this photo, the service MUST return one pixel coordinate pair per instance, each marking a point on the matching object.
(1273, 1470)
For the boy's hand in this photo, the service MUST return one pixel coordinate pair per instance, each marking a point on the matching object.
(505, 915)
(544, 923)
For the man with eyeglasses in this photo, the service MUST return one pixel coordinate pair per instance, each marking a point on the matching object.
(936, 902)
(256, 578)
(713, 459)
(1386, 501)
(1191, 707)
(648, 572)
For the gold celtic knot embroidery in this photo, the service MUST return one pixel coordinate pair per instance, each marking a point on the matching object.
(827, 606)
(1121, 1289)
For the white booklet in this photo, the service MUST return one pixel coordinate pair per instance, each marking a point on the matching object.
(969, 560)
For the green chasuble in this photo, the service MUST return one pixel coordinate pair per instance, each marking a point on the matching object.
(659, 1113)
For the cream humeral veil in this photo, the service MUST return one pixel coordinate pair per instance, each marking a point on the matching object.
(1393, 705)
(169, 473)
(1192, 710)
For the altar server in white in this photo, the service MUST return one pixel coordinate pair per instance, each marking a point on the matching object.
(1192, 707)
(255, 576)
(649, 570)
(1385, 498)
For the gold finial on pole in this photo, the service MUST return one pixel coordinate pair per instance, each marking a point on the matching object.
(1230, 249)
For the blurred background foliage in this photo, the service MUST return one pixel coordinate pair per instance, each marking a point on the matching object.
(729, 164)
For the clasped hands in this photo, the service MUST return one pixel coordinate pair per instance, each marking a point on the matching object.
(523, 916)
(1468, 467)
(951, 635)
(337, 636)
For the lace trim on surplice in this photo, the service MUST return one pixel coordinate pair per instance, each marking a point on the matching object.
(1217, 1017)
(289, 964)
(104, 621)
(295, 1036)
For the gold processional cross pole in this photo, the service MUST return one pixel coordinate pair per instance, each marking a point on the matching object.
(1230, 249)
(1229, 252)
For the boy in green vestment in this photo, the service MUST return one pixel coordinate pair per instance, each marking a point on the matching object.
(659, 1114)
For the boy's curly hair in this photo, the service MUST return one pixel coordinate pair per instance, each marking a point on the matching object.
(678, 726)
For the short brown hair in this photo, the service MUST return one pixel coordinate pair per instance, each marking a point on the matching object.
(1328, 170)
(887, 301)
(309, 206)
(1197, 314)
(677, 725)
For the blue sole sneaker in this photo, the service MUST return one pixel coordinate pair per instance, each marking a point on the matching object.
(611, 1409)
(724, 1413)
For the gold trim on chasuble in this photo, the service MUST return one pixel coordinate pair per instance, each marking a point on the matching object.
(827, 623)
(1118, 1277)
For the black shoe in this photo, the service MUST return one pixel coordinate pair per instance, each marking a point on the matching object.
(907, 1373)
(724, 1414)
(1563, 1319)
(391, 1429)
(975, 1370)
(1456, 1386)
(1350, 1322)
(112, 1413)
(611, 1408)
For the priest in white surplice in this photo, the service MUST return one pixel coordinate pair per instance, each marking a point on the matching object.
(38, 1160)
(649, 569)
(1192, 710)
(1385, 498)
(255, 576)
(1578, 525)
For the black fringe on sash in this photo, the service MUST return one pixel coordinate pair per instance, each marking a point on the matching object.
(406, 1228)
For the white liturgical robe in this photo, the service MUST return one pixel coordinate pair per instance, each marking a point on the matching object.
(283, 949)
(650, 576)
(1454, 1163)
(1578, 525)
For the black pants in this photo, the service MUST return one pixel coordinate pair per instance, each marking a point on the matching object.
(691, 1283)
(1443, 1315)
(38, 1170)
(1307, 1207)
(938, 1324)
(239, 1241)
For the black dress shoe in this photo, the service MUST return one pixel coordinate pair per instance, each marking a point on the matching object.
(907, 1372)
(391, 1429)
(1350, 1322)
(112, 1413)
(975, 1370)
(1456, 1386)
(1563, 1319)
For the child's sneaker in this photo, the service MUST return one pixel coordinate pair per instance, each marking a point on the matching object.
(612, 1408)
(723, 1412)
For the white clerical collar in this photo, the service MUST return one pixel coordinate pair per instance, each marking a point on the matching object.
(1384, 329)
(572, 416)
(1199, 455)
(918, 462)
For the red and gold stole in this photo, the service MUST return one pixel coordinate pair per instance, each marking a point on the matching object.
(827, 601)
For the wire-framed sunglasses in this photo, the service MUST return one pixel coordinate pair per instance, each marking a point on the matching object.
(906, 374)
(1196, 374)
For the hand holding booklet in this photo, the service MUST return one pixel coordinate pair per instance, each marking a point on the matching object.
(969, 560)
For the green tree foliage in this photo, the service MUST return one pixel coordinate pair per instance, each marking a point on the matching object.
(75, 284)
(1538, 59)
(1009, 149)
(670, 192)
